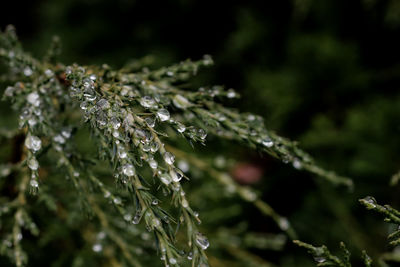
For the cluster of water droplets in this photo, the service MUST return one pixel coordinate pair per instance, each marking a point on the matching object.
(193, 133)
(125, 128)
(98, 245)
(31, 114)
(85, 90)
(60, 139)
(33, 144)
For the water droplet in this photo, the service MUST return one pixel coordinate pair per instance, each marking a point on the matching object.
(127, 217)
(129, 120)
(183, 165)
(163, 114)
(68, 70)
(319, 259)
(136, 219)
(165, 178)
(148, 137)
(28, 71)
(231, 93)
(33, 98)
(251, 117)
(180, 127)
(169, 158)
(267, 142)
(297, 164)
(207, 60)
(155, 222)
(76, 174)
(103, 104)
(19, 236)
(87, 83)
(176, 187)
(140, 133)
(125, 90)
(185, 203)
(5, 171)
(148, 102)
(249, 195)
(34, 183)
(220, 161)
(97, 247)
(66, 133)
(59, 139)
(202, 241)
(101, 235)
(84, 105)
(370, 202)
(107, 194)
(9, 91)
(150, 122)
(25, 113)
(128, 170)
(154, 147)
(33, 143)
(146, 147)
(154, 202)
(122, 152)
(117, 201)
(101, 118)
(181, 102)
(253, 132)
(49, 73)
(202, 134)
(115, 123)
(38, 112)
(190, 256)
(220, 117)
(90, 94)
(172, 261)
(283, 223)
(32, 122)
(176, 175)
(33, 164)
(115, 133)
(153, 164)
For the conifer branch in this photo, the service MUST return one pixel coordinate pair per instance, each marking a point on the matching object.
(132, 116)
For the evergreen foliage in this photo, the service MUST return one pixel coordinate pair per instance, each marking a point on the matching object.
(324, 73)
(134, 118)
(323, 257)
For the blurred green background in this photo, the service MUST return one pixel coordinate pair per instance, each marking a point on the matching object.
(325, 73)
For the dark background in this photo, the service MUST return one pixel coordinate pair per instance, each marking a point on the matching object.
(325, 73)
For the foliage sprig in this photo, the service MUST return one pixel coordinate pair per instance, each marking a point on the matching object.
(133, 117)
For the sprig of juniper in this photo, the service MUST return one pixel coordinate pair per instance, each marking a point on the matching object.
(131, 116)
(391, 216)
(323, 257)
